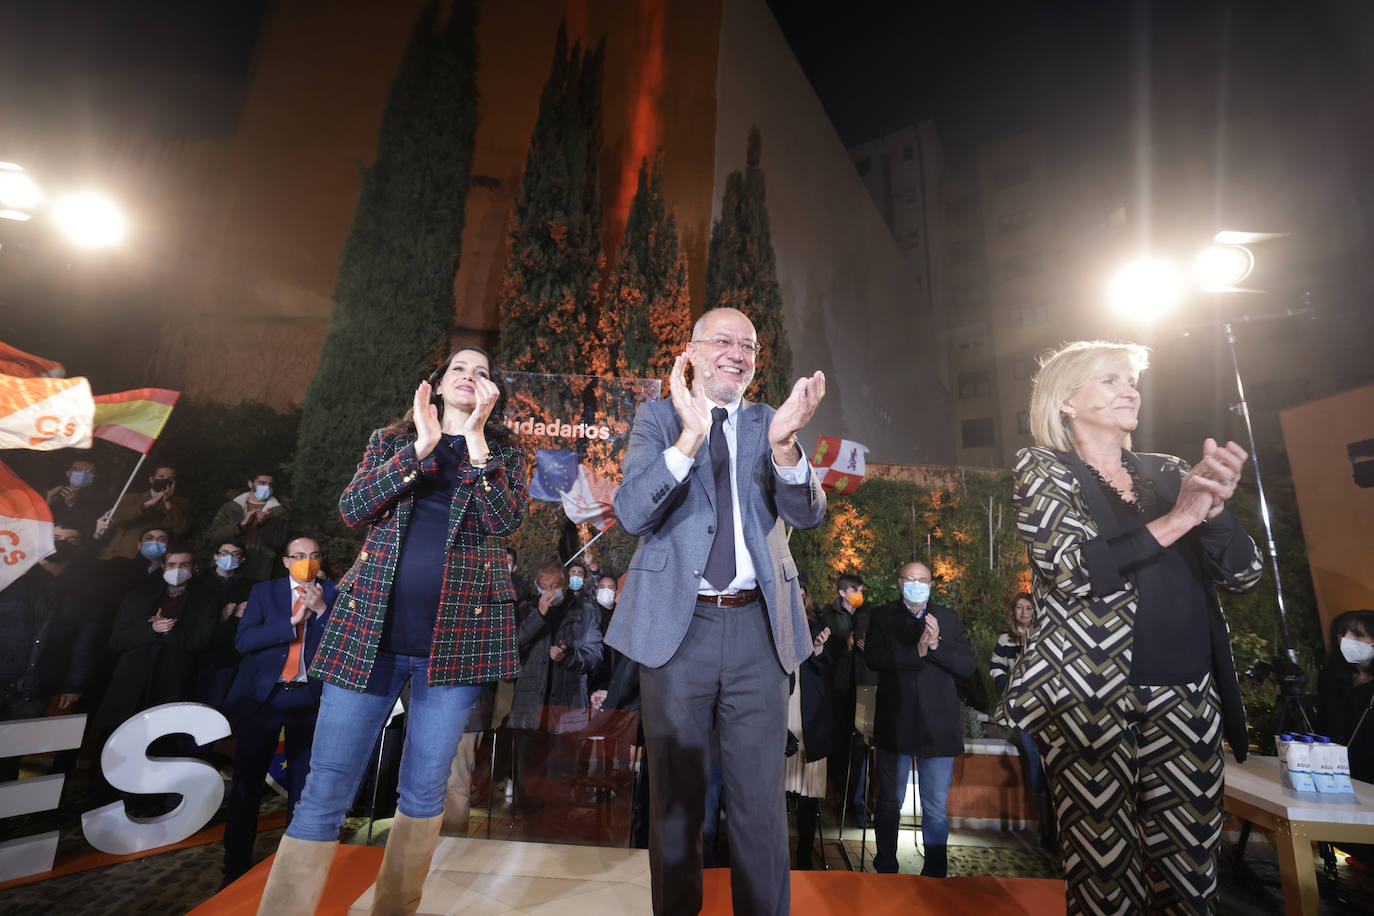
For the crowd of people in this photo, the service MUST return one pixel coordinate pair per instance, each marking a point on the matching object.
(1114, 671)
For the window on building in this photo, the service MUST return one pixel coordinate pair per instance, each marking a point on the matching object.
(1020, 267)
(864, 165)
(1015, 222)
(907, 153)
(978, 433)
(1023, 422)
(975, 384)
(962, 211)
(964, 251)
(1012, 175)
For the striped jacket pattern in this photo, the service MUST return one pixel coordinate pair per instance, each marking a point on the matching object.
(1004, 654)
(1077, 661)
(474, 634)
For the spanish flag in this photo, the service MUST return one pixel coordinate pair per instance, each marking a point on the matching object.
(133, 419)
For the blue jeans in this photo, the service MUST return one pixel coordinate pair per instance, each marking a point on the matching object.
(933, 775)
(348, 726)
(1038, 784)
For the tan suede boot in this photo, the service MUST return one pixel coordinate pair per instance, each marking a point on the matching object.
(405, 865)
(296, 881)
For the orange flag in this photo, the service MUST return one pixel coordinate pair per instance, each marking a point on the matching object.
(25, 527)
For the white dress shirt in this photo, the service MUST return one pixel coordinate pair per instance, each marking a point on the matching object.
(679, 465)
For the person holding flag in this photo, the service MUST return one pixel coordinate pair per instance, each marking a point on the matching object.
(427, 602)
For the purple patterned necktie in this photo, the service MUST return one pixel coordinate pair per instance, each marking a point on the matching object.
(720, 563)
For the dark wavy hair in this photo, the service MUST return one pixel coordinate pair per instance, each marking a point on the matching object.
(495, 428)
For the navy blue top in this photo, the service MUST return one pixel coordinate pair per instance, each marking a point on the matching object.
(409, 625)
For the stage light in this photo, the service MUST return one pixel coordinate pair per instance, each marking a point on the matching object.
(1145, 289)
(17, 190)
(90, 220)
(1220, 267)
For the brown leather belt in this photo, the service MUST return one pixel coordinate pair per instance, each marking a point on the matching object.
(738, 599)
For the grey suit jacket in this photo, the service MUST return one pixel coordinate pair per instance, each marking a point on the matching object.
(675, 523)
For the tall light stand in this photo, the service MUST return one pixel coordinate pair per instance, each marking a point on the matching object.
(1288, 673)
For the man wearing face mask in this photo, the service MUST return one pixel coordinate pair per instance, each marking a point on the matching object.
(158, 634)
(139, 510)
(847, 618)
(223, 589)
(257, 520)
(560, 644)
(918, 649)
(278, 636)
(74, 500)
(45, 643)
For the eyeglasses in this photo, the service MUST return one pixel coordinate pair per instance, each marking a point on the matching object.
(304, 556)
(748, 347)
(230, 553)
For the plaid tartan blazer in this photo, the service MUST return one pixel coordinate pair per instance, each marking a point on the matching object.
(1077, 660)
(474, 634)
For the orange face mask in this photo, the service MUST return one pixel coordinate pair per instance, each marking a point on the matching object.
(305, 570)
(856, 599)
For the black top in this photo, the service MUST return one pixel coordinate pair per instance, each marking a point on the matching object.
(409, 625)
(1340, 705)
(1171, 642)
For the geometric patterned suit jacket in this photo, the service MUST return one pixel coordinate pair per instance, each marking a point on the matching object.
(1077, 660)
(474, 635)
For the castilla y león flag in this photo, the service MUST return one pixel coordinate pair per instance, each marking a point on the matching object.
(839, 463)
(25, 527)
(45, 413)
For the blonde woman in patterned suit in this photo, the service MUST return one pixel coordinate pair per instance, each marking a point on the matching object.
(1127, 682)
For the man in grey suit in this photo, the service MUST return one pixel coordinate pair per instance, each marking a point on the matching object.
(712, 610)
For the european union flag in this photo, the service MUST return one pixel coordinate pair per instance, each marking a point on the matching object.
(554, 472)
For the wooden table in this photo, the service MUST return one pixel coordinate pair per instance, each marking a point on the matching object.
(1297, 820)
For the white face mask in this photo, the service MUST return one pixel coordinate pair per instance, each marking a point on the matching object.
(605, 597)
(262, 492)
(1355, 651)
(175, 577)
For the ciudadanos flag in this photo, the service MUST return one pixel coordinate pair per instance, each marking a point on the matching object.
(45, 413)
(25, 527)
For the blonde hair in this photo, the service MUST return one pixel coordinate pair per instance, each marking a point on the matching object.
(1064, 371)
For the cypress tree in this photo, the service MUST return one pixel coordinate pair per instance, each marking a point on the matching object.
(393, 303)
(553, 269)
(741, 273)
(646, 310)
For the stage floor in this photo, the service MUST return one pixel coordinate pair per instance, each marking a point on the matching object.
(480, 877)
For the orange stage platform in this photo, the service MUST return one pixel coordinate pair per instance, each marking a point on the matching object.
(813, 892)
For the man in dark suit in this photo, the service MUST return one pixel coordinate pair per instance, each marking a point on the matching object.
(918, 649)
(277, 637)
(711, 608)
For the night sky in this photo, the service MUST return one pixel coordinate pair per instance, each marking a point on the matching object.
(983, 71)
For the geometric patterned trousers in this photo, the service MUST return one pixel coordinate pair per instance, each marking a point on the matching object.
(1138, 796)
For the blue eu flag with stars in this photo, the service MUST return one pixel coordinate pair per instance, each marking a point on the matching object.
(554, 472)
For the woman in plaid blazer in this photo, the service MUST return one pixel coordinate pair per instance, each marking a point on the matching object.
(428, 602)
(1127, 682)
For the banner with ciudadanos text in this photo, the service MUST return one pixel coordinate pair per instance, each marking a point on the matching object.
(576, 429)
